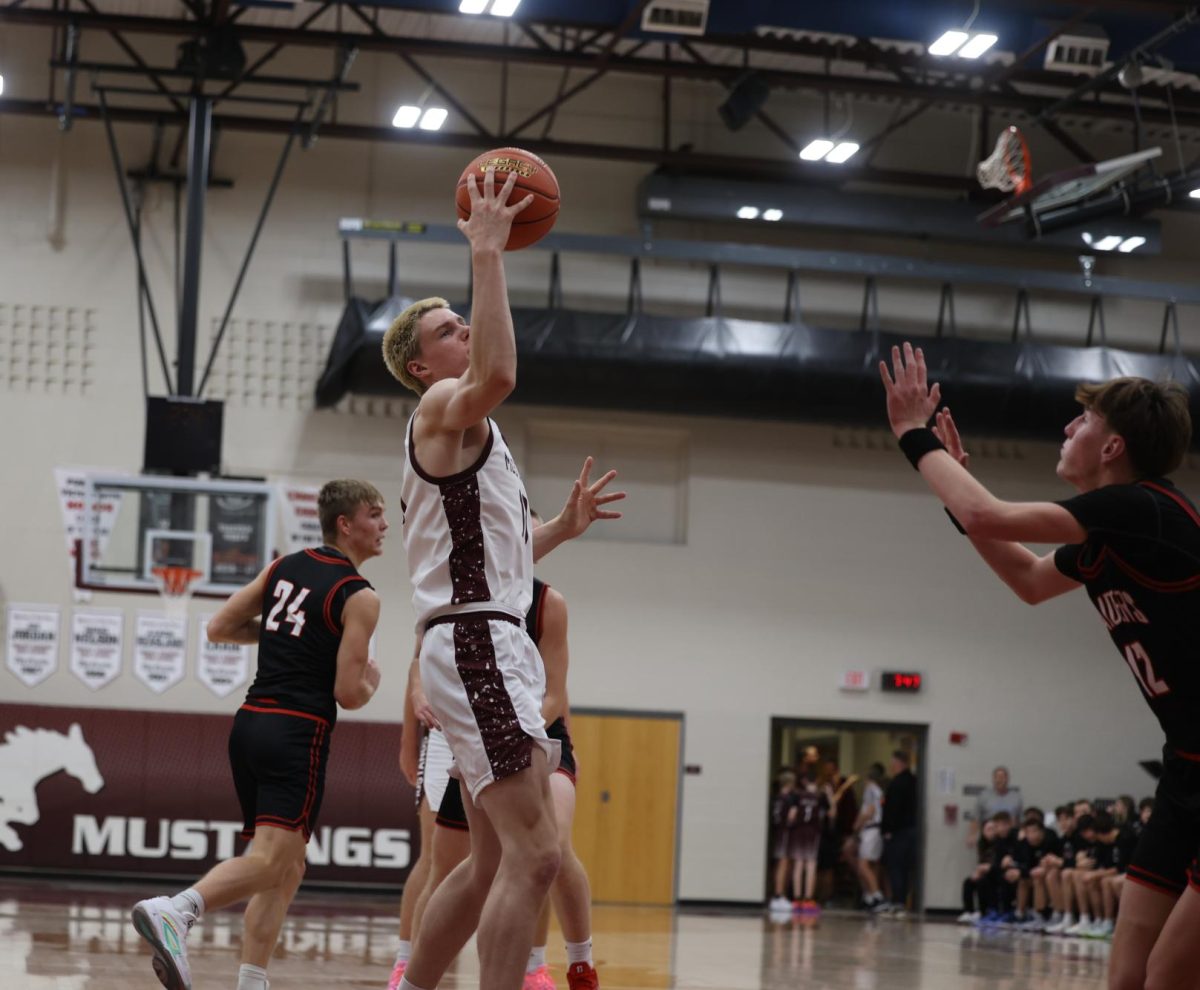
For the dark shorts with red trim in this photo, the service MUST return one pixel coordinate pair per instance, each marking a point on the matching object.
(278, 760)
(1165, 858)
(452, 814)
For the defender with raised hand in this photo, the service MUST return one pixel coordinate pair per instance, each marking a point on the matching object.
(1132, 539)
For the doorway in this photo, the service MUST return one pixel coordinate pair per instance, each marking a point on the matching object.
(851, 747)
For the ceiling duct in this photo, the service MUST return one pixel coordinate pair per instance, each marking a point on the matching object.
(744, 369)
(676, 16)
(1082, 50)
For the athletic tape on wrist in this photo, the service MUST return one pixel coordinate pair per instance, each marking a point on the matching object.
(918, 442)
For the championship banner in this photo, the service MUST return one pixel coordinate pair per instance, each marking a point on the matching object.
(220, 667)
(301, 522)
(32, 648)
(72, 490)
(91, 791)
(159, 649)
(236, 523)
(96, 641)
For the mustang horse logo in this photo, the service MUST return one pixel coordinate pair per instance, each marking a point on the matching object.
(28, 756)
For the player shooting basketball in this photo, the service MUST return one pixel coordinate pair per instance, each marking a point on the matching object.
(1132, 539)
(470, 550)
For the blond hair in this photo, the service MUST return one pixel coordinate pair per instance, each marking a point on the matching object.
(342, 498)
(1151, 417)
(401, 343)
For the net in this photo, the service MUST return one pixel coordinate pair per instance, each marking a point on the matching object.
(175, 586)
(1008, 167)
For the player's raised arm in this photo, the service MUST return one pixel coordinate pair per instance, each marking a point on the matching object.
(911, 403)
(583, 507)
(492, 373)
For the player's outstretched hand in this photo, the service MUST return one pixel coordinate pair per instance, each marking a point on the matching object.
(491, 217)
(910, 399)
(584, 504)
(944, 429)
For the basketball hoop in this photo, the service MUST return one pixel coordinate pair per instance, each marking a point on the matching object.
(1009, 166)
(175, 586)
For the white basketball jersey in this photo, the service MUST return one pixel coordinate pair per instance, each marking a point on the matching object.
(468, 537)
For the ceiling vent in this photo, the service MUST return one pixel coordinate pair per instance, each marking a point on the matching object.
(676, 16)
(1083, 49)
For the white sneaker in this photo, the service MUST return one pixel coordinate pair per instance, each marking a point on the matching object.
(157, 921)
(1100, 929)
(1033, 924)
(1080, 928)
(968, 917)
(779, 904)
(1060, 926)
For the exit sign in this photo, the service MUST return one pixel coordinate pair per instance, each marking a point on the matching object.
(855, 680)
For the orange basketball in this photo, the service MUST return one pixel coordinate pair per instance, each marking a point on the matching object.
(533, 176)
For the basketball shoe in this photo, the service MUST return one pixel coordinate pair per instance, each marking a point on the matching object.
(166, 929)
(581, 976)
(538, 979)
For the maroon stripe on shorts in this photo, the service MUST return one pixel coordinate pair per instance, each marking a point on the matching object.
(509, 749)
(468, 579)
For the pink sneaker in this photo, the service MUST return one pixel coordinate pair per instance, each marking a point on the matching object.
(397, 976)
(539, 979)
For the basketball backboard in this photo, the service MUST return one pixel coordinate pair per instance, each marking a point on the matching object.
(225, 530)
(1067, 186)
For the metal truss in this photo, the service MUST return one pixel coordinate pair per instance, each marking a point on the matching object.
(858, 69)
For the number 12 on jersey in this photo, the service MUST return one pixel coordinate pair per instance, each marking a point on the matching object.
(283, 592)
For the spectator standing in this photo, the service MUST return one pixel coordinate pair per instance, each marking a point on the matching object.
(899, 833)
(1000, 797)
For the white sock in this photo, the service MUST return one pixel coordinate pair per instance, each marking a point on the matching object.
(404, 951)
(579, 952)
(406, 984)
(252, 978)
(537, 958)
(189, 902)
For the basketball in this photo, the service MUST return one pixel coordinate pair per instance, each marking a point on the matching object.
(533, 176)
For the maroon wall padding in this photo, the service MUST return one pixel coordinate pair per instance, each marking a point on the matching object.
(167, 783)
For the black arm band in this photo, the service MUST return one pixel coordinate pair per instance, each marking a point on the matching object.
(917, 443)
(957, 524)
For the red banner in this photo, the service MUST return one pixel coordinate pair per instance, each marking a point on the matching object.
(103, 791)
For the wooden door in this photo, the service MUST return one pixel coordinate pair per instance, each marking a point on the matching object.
(627, 800)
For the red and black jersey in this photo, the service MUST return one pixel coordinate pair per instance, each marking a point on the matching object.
(533, 618)
(302, 630)
(1141, 567)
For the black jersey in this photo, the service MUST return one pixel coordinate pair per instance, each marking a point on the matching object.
(533, 618)
(302, 630)
(1123, 849)
(784, 802)
(1141, 567)
(1027, 855)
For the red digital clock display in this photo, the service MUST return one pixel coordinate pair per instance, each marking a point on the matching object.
(901, 680)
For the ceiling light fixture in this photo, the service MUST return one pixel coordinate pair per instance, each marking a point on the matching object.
(947, 44)
(772, 215)
(497, 8)
(844, 151)
(1131, 244)
(406, 116)
(814, 151)
(1195, 194)
(747, 212)
(978, 44)
(833, 152)
(1108, 243)
(433, 118)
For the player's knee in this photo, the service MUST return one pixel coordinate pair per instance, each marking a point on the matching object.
(544, 861)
